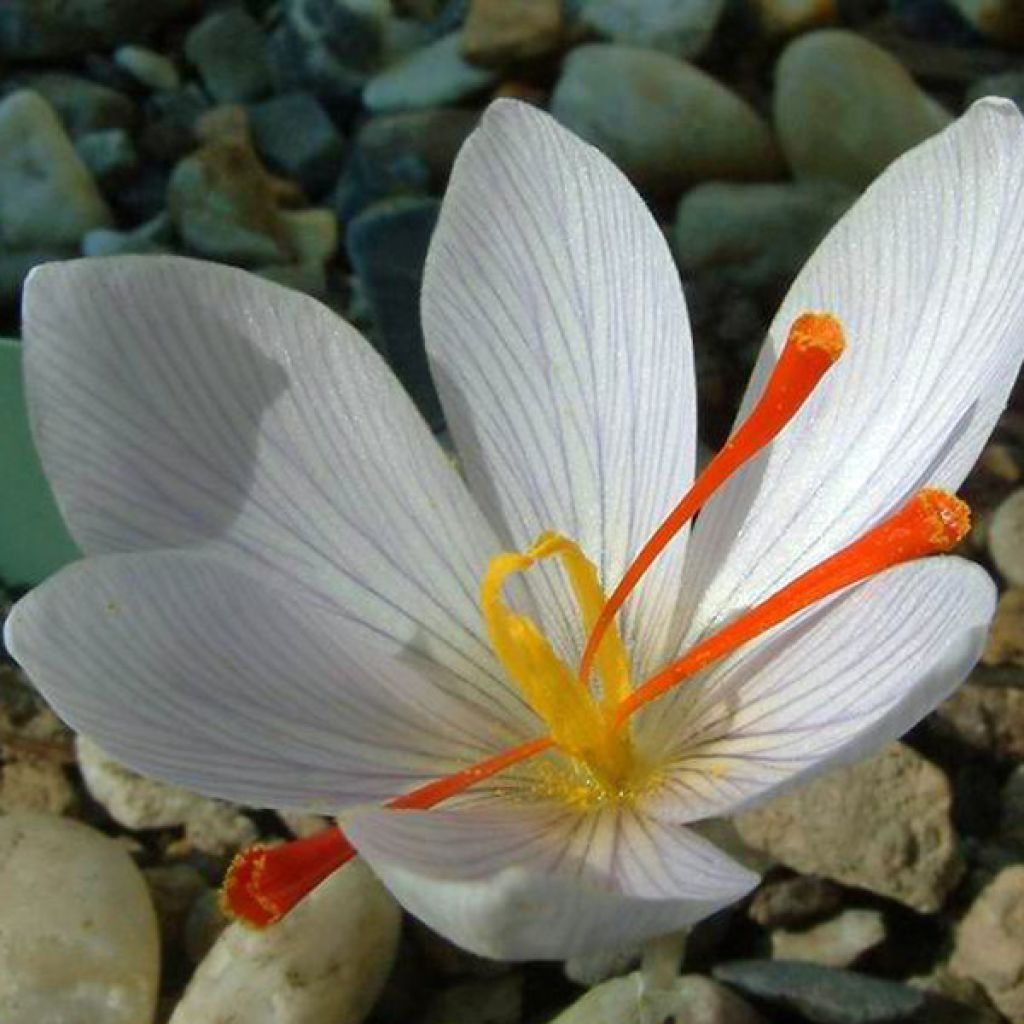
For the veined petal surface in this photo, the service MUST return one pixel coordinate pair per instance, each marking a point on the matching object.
(543, 882)
(181, 404)
(926, 273)
(560, 345)
(188, 668)
(830, 687)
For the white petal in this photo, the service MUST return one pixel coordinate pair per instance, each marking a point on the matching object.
(560, 345)
(926, 272)
(189, 669)
(542, 882)
(828, 688)
(178, 403)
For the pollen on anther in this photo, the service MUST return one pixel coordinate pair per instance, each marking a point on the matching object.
(950, 518)
(821, 331)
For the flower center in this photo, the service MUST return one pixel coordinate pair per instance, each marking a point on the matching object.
(581, 722)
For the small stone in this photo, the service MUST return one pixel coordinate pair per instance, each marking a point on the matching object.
(1005, 644)
(755, 236)
(296, 137)
(310, 278)
(824, 995)
(665, 123)
(47, 196)
(1011, 823)
(498, 32)
(780, 19)
(78, 936)
(84, 106)
(230, 51)
(1009, 84)
(138, 802)
(204, 925)
(313, 235)
(224, 206)
(387, 246)
(990, 942)
(882, 824)
(680, 29)
(174, 890)
(148, 68)
(171, 117)
(431, 77)
(986, 714)
(839, 942)
(481, 1001)
(1001, 21)
(691, 999)
(110, 157)
(31, 29)
(154, 236)
(1006, 538)
(1000, 463)
(794, 901)
(845, 109)
(326, 961)
(35, 784)
(954, 999)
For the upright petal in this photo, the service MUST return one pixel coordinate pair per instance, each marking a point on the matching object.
(926, 273)
(541, 882)
(560, 345)
(190, 669)
(830, 687)
(180, 404)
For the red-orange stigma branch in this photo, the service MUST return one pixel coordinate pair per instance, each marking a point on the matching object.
(814, 344)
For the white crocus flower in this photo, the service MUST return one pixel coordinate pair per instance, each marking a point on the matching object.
(292, 600)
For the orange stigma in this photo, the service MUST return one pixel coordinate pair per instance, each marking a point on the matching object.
(814, 344)
(932, 522)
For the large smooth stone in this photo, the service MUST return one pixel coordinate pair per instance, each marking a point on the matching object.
(325, 963)
(664, 122)
(845, 109)
(78, 934)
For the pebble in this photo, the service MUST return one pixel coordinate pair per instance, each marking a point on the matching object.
(310, 278)
(78, 935)
(138, 802)
(954, 999)
(31, 29)
(84, 106)
(755, 236)
(148, 68)
(480, 1001)
(1011, 822)
(154, 236)
(780, 19)
(16, 264)
(839, 942)
(174, 889)
(230, 51)
(204, 925)
(825, 995)
(794, 901)
(845, 109)
(35, 784)
(431, 77)
(224, 206)
(326, 961)
(990, 942)
(680, 29)
(387, 246)
(1001, 21)
(313, 235)
(986, 714)
(296, 138)
(665, 123)
(692, 999)
(47, 196)
(999, 461)
(883, 825)
(592, 969)
(1006, 538)
(110, 157)
(497, 32)
(169, 130)
(1005, 644)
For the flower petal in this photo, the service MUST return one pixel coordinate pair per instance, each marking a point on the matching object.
(187, 668)
(560, 345)
(544, 882)
(926, 273)
(178, 403)
(831, 687)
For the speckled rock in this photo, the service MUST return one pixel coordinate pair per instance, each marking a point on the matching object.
(497, 32)
(1006, 538)
(138, 802)
(47, 196)
(78, 935)
(691, 1000)
(882, 824)
(990, 942)
(430, 77)
(838, 942)
(664, 122)
(680, 29)
(845, 109)
(33, 784)
(325, 962)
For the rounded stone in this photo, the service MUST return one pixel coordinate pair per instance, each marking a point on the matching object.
(845, 109)
(78, 934)
(1006, 538)
(665, 123)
